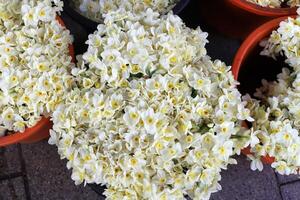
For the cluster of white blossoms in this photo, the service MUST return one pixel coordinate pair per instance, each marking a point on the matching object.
(34, 62)
(285, 41)
(152, 117)
(94, 9)
(276, 3)
(277, 113)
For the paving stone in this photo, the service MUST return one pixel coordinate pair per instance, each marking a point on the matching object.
(291, 191)
(48, 176)
(286, 179)
(12, 189)
(3, 166)
(9, 160)
(13, 158)
(239, 182)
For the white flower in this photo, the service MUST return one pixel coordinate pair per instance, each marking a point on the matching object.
(132, 116)
(223, 150)
(207, 176)
(7, 117)
(29, 16)
(253, 138)
(287, 135)
(256, 163)
(281, 167)
(155, 84)
(225, 130)
(244, 114)
(44, 12)
(149, 118)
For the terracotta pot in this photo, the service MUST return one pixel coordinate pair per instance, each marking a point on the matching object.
(91, 25)
(238, 18)
(41, 130)
(252, 42)
(249, 49)
(265, 159)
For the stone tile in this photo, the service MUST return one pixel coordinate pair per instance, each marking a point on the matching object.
(239, 182)
(48, 176)
(291, 191)
(286, 179)
(3, 166)
(12, 189)
(9, 160)
(13, 158)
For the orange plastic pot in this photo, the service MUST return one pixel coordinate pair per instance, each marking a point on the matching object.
(238, 18)
(41, 130)
(247, 48)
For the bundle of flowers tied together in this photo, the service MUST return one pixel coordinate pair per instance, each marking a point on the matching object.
(276, 3)
(34, 62)
(277, 112)
(152, 117)
(95, 9)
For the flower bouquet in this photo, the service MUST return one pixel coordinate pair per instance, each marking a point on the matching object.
(35, 66)
(152, 116)
(275, 130)
(90, 13)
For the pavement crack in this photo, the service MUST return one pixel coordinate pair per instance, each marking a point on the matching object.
(278, 185)
(24, 172)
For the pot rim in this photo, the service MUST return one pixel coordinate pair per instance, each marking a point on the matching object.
(252, 41)
(44, 122)
(18, 136)
(263, 11)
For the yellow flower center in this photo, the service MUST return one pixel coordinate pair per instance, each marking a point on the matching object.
(189, 139)
(133, 161)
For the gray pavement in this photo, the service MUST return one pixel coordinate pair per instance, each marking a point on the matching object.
(35, 171)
